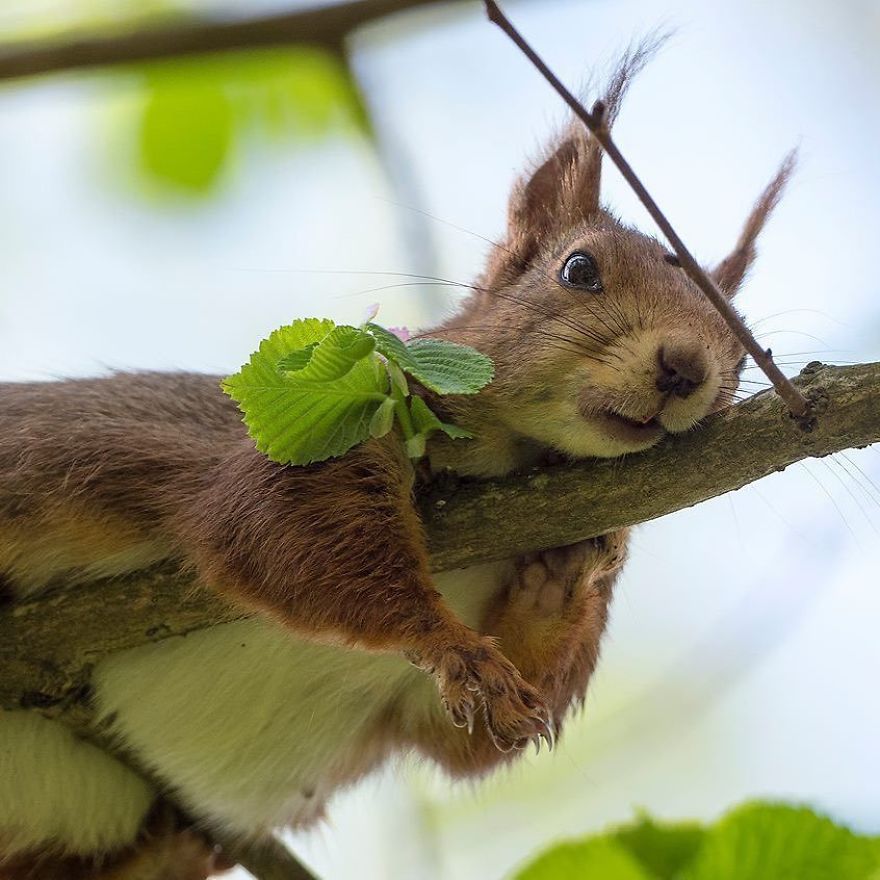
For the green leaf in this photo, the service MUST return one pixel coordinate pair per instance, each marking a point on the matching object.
(447, 367)
(663, 850)
(299, 422)
(334, 355)
(444, 367)
(383, 419)
(761, 841)
(426, 421)
(454, 432)
(391, 346)
(415, 446)
(599, 858)
(296, 360)
(423, 416)
(398, 380)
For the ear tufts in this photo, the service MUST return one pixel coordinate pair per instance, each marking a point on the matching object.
(634, 60)
(731, 271)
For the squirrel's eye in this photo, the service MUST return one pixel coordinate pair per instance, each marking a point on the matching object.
(580, 270)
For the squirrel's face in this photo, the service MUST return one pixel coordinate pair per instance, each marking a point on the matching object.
(603, 345)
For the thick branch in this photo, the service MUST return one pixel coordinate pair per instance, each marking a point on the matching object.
(49, 644)
(323, 26)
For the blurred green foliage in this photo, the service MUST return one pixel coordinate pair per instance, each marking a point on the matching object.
(190, 115)
(663, 849)
(753, 842)
(194, 113)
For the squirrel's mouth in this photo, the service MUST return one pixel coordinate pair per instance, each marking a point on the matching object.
(629, 430)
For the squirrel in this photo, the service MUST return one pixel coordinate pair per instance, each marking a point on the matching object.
(602, 346)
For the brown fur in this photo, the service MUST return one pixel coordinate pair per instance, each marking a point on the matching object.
(101, 474)
(168, 849)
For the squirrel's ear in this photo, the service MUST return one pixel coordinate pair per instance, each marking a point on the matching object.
(731, 271)
(563, 191)
(542, 203)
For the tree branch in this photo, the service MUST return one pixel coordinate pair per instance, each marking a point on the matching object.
(322, 26)
(49, 644)
(268, 860)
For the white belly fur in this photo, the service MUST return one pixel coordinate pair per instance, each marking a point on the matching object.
(253, 727)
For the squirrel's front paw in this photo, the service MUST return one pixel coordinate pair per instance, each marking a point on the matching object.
(515, 711)
(480, 675)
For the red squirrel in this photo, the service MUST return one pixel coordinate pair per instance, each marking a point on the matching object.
(601, 346)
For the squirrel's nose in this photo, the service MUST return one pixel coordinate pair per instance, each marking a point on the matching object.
(681, 369)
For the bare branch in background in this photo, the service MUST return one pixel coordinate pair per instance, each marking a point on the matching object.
(595, 122)
(326, 26)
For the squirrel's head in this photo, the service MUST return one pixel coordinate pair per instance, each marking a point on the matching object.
(601, 342)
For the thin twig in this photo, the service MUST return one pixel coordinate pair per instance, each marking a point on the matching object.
(595, 122)
(323, 26)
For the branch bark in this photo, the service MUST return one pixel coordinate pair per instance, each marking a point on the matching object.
(49, 644)
(322, 26)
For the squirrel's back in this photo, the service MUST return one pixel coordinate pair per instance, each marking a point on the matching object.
(88, 467)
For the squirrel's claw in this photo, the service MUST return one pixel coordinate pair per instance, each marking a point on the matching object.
(515, 712)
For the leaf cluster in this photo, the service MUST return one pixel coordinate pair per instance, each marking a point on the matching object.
(313, 389)
(756, 841)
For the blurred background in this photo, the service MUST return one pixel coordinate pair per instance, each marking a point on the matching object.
(169, 215)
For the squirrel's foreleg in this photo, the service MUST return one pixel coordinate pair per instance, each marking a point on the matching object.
(335, 551)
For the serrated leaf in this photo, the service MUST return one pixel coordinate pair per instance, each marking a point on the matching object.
(388, 344)
(444, 367)
(296, 360)
(335, 355)
(447, 367)
(383, 419)
(426, 421)
(760, 841)
(600, 857)
(299, 422)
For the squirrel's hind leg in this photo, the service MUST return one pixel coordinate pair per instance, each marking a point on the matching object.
(336, 552)
(548, 618)
(551, 617)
